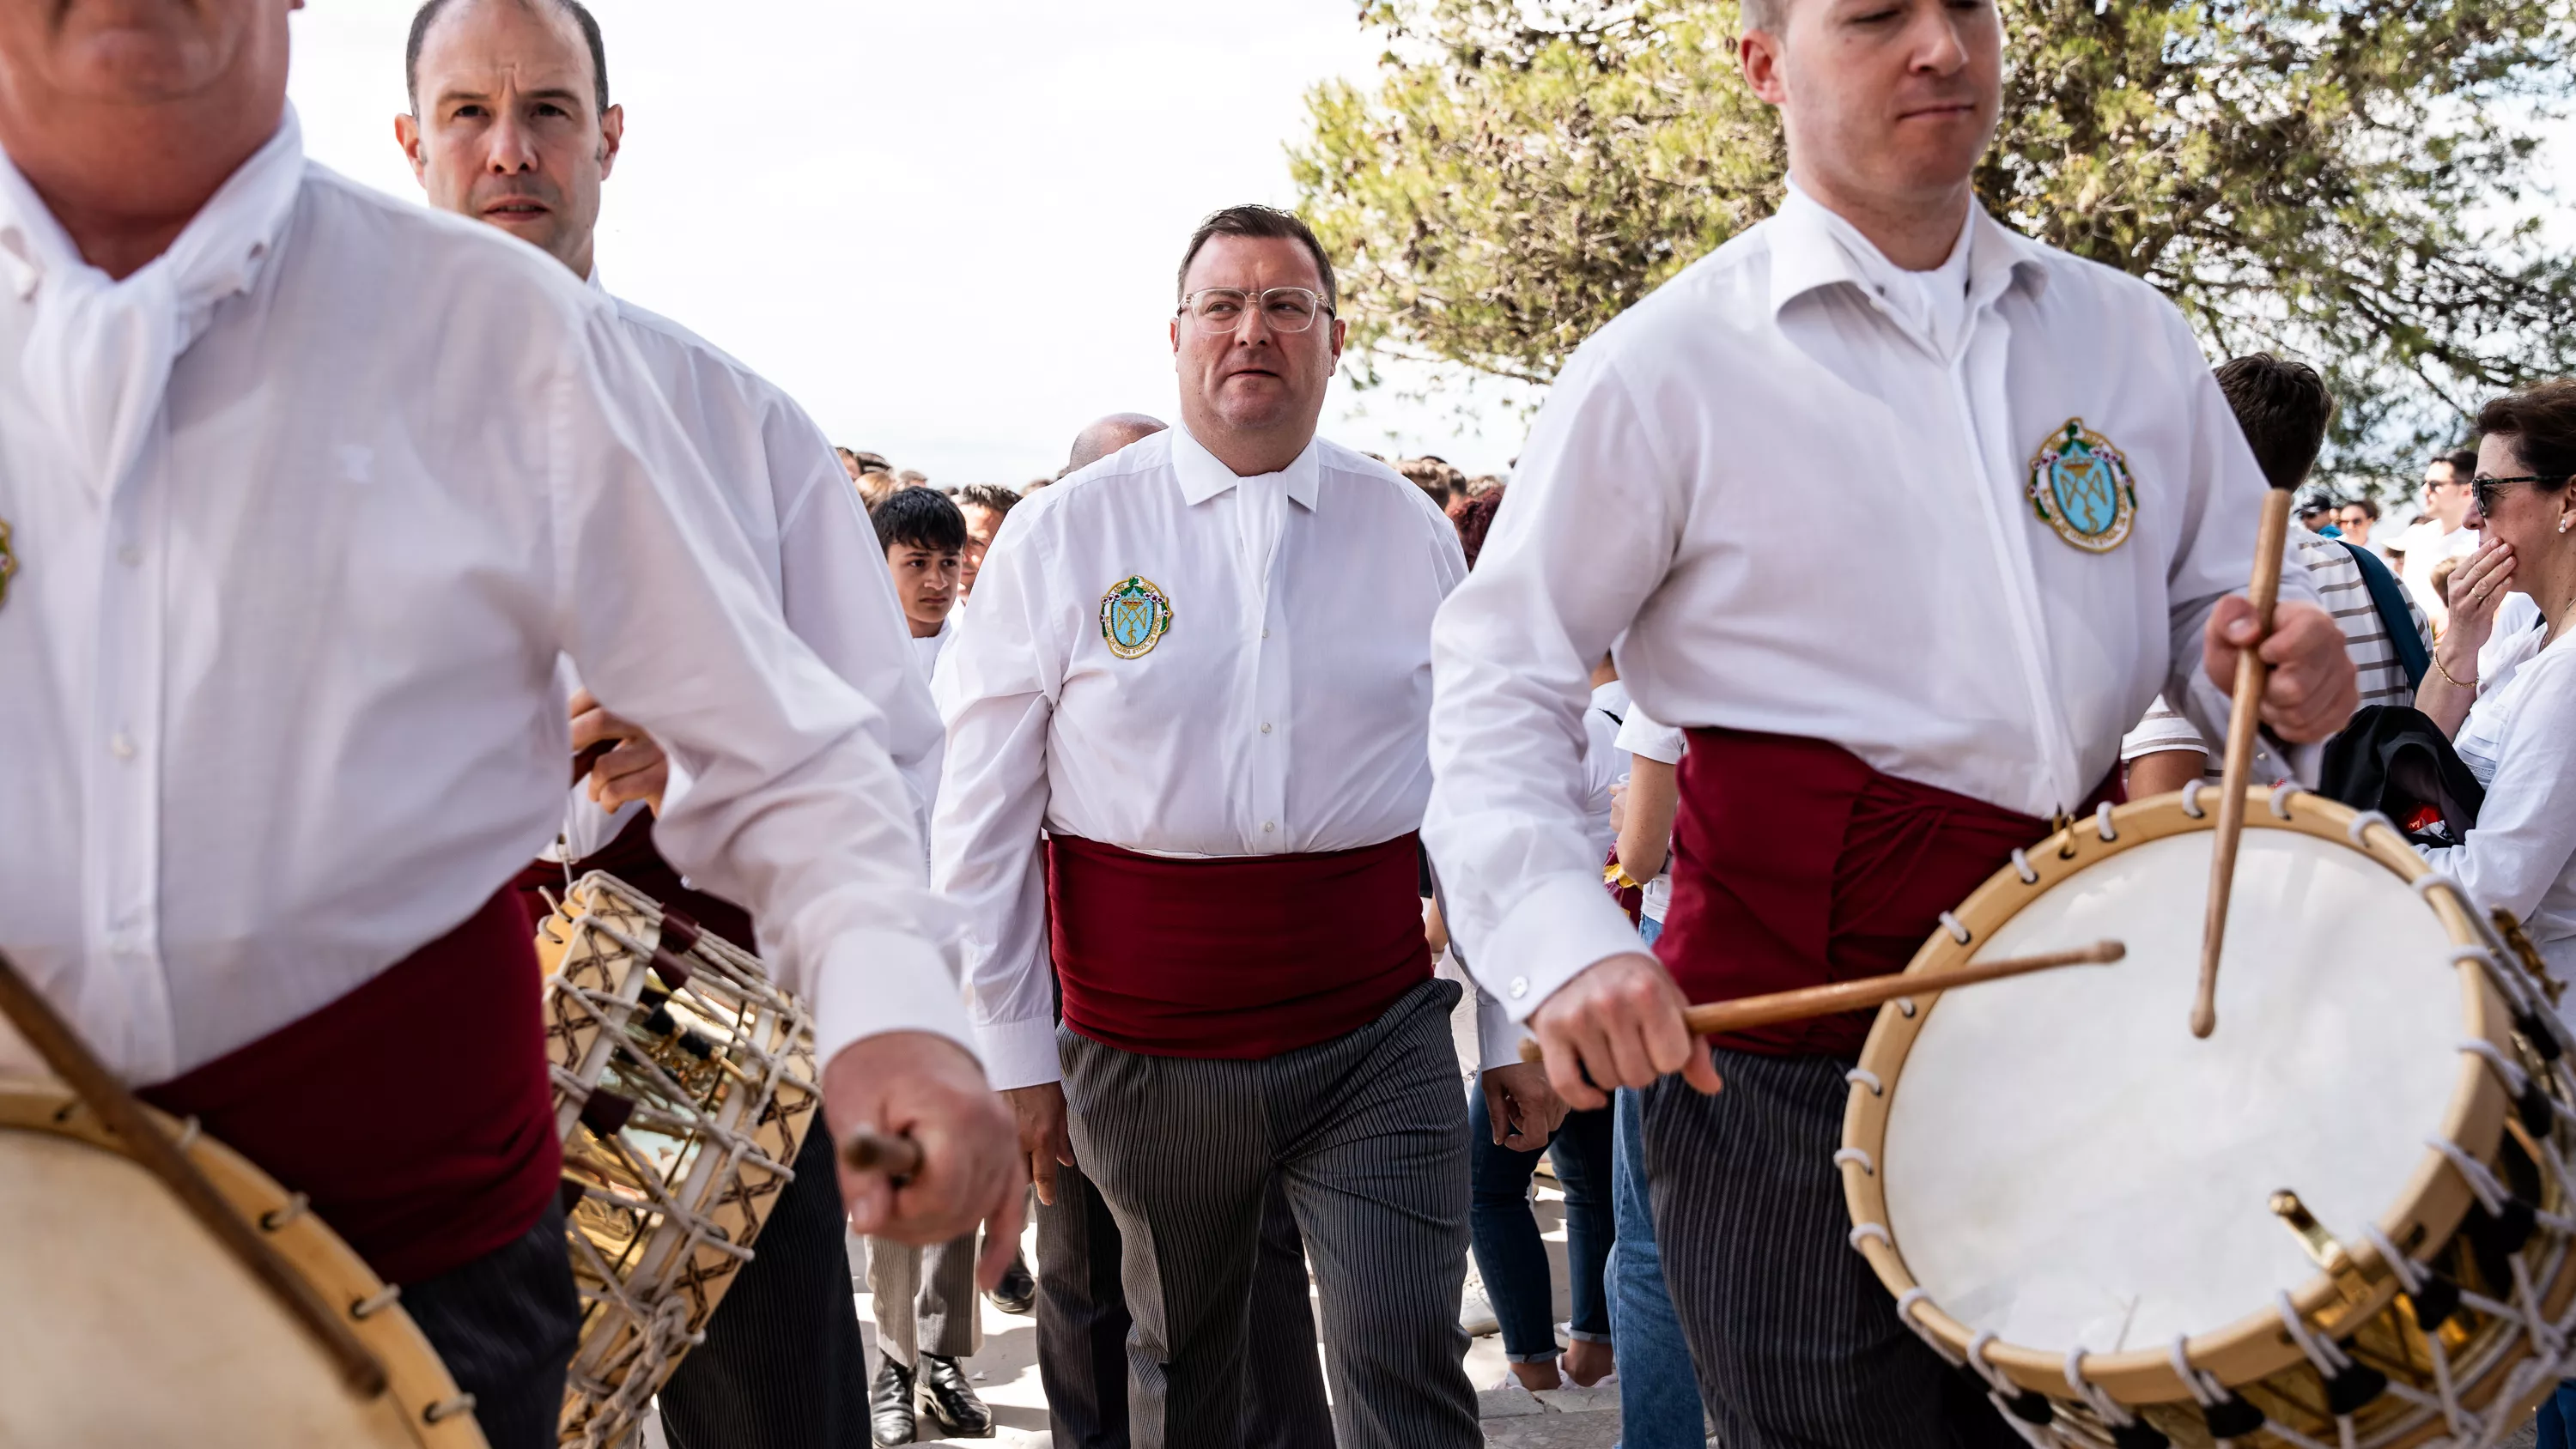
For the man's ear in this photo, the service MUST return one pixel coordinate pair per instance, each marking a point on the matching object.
(407, 136)
(612, 134)
(1341, 335)
(1758, 55)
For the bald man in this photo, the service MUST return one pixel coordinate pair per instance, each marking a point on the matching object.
(1107, 435)
(512, 126)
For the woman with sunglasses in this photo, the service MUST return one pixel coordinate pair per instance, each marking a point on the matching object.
(2511, 708)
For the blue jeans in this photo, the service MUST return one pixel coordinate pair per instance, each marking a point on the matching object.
(1511, 1256)
(1658, 1391)
(2558, 1417)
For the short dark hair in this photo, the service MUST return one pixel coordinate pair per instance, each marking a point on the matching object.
(988, 495)
(427, 16)
(919, 518)
(2368, 505)
(2541, 423)
(1258, 221)
(2283, 407)
(2464, 463)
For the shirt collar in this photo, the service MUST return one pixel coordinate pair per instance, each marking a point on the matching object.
(1203, 477)
(252, 205)
(1806, 254)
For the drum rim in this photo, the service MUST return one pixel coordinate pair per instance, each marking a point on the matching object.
(416, 1377)
(2252, 1348)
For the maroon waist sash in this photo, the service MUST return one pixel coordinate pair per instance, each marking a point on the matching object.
(1794, 864)
(415, 1112)
(633, 858)
(1235, 958)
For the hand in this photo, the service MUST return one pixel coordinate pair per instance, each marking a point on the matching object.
(635, 770)
(1039, 1110)
(1523, 1109)
(1620, 1022)
(927, 1088)
(2312, 689)
(2478, 587)
(1619, 805)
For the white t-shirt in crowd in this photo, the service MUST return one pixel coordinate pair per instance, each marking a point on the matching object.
(1641, 736)
(1604, 763)
(2425, 546)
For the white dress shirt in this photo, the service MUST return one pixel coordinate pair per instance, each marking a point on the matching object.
(1808, 519)
(1282, 713)
(2426, 546)
(785, 488)
(281, 703)
(2519, 742)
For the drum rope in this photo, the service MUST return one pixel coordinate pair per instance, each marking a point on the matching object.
(2030, 1414)
(1958, 932)
(1854, 1154)
(1863, 1077)
(2282, 795)
(2023, 868)
(2191, 805)
(2112, 1412)
(2102, 824)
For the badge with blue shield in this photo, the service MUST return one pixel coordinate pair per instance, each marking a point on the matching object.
(1134, 616)
(2080, 485)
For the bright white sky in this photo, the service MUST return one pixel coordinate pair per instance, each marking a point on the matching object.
(949, 230)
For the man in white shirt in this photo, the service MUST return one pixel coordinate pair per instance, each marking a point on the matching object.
(2014, 504)
(985, 506)
(511, 124)
(2441, 534)
(311, 491)
(1201, 668)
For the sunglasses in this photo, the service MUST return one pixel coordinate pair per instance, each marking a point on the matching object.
(2486, 490)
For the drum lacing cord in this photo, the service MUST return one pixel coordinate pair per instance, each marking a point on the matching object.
(1958, 933)
(2103, 1404)
(2282, 795)
(2492, 1196)
(1854, 1154)
(189, 1132)
(2102, 824)
(1862, 1077)
(376, 1302)
(1905, 1302)
(2022, 867)
(297, 1205)
(2005, 1393)
(448, 1408)
(2327, 1358)
(1867, 1231)
(2412, 1277)
(2191, 800)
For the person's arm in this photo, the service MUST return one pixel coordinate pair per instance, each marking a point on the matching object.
(2165, 771)
(2525, 840)
(1595, 519)
(2164, 753)
(997, 687)
(2478, 589)
(1646, 825)
(794, 808)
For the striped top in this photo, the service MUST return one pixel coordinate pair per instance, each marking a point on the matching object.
(2365, 636)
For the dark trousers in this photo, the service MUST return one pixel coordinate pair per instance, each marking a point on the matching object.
(1510, 1255)
(1797, 1344)
(1083, 1322)
(783, 1365)
(1367, 1136)
(507, 1324)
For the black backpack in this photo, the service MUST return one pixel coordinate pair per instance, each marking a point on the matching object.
(2396, 761)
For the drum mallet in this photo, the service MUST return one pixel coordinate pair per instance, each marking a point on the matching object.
(152, 1149)
(868, 1150)
(2270, 538)
(1745, 1013)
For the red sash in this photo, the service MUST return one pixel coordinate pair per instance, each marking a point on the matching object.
(633, 858)
(1794, 864)
(415, 1112)
(1236, 958)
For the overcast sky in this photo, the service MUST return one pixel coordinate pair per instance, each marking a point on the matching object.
(949, 230)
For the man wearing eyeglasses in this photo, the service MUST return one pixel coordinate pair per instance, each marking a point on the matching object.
(2443, 533)
(1201, 667)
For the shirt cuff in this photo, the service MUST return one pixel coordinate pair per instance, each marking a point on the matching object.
(1019, 1053)
(1498, 1037)
(877, 981)
(1562, 926)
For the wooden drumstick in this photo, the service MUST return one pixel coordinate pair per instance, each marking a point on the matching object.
(1745, 1013)
(868, 1150)
(100, 1091)
(2242, 721)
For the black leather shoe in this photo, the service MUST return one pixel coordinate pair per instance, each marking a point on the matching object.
(890, 1420)
(949, 1403)
(1017, 1292)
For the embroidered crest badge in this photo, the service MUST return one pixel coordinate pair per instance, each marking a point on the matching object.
(1134, 616)
(2080, 485)
(8, 562)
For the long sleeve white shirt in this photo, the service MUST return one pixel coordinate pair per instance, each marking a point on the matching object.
(1283, 712)
(2520, 741)
(784, 487)
(281, 703)
(1808, 519)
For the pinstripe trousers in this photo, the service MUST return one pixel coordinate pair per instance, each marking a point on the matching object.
(1367, 1136)
(1082, 1328)
(925, 1299)
(1796, 1343)
(783, 1366)
(506, 1325)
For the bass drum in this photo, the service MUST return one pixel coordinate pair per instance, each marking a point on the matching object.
(2343, 1220)
(127, 1323)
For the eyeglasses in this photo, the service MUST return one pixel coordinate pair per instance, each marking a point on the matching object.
(2485, 489)
(1283, 309)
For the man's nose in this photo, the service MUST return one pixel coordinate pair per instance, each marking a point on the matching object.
(511, 151)
(1253, 328)
(1938, 46)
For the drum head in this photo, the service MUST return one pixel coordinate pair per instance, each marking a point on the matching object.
(2066, 1165)
(128, 1324)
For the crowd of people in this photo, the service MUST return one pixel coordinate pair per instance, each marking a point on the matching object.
(1109, 827)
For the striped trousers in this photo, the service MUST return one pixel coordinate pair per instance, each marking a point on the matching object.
(1366, 1136)
(925, 1299)
(1796, 1343)
(506, 1325)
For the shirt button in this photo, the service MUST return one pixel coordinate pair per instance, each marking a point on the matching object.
(121, 745)
(1268, 826)
(1265, 633)
(130, 556)
(1520, 987)
(1265, 728)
